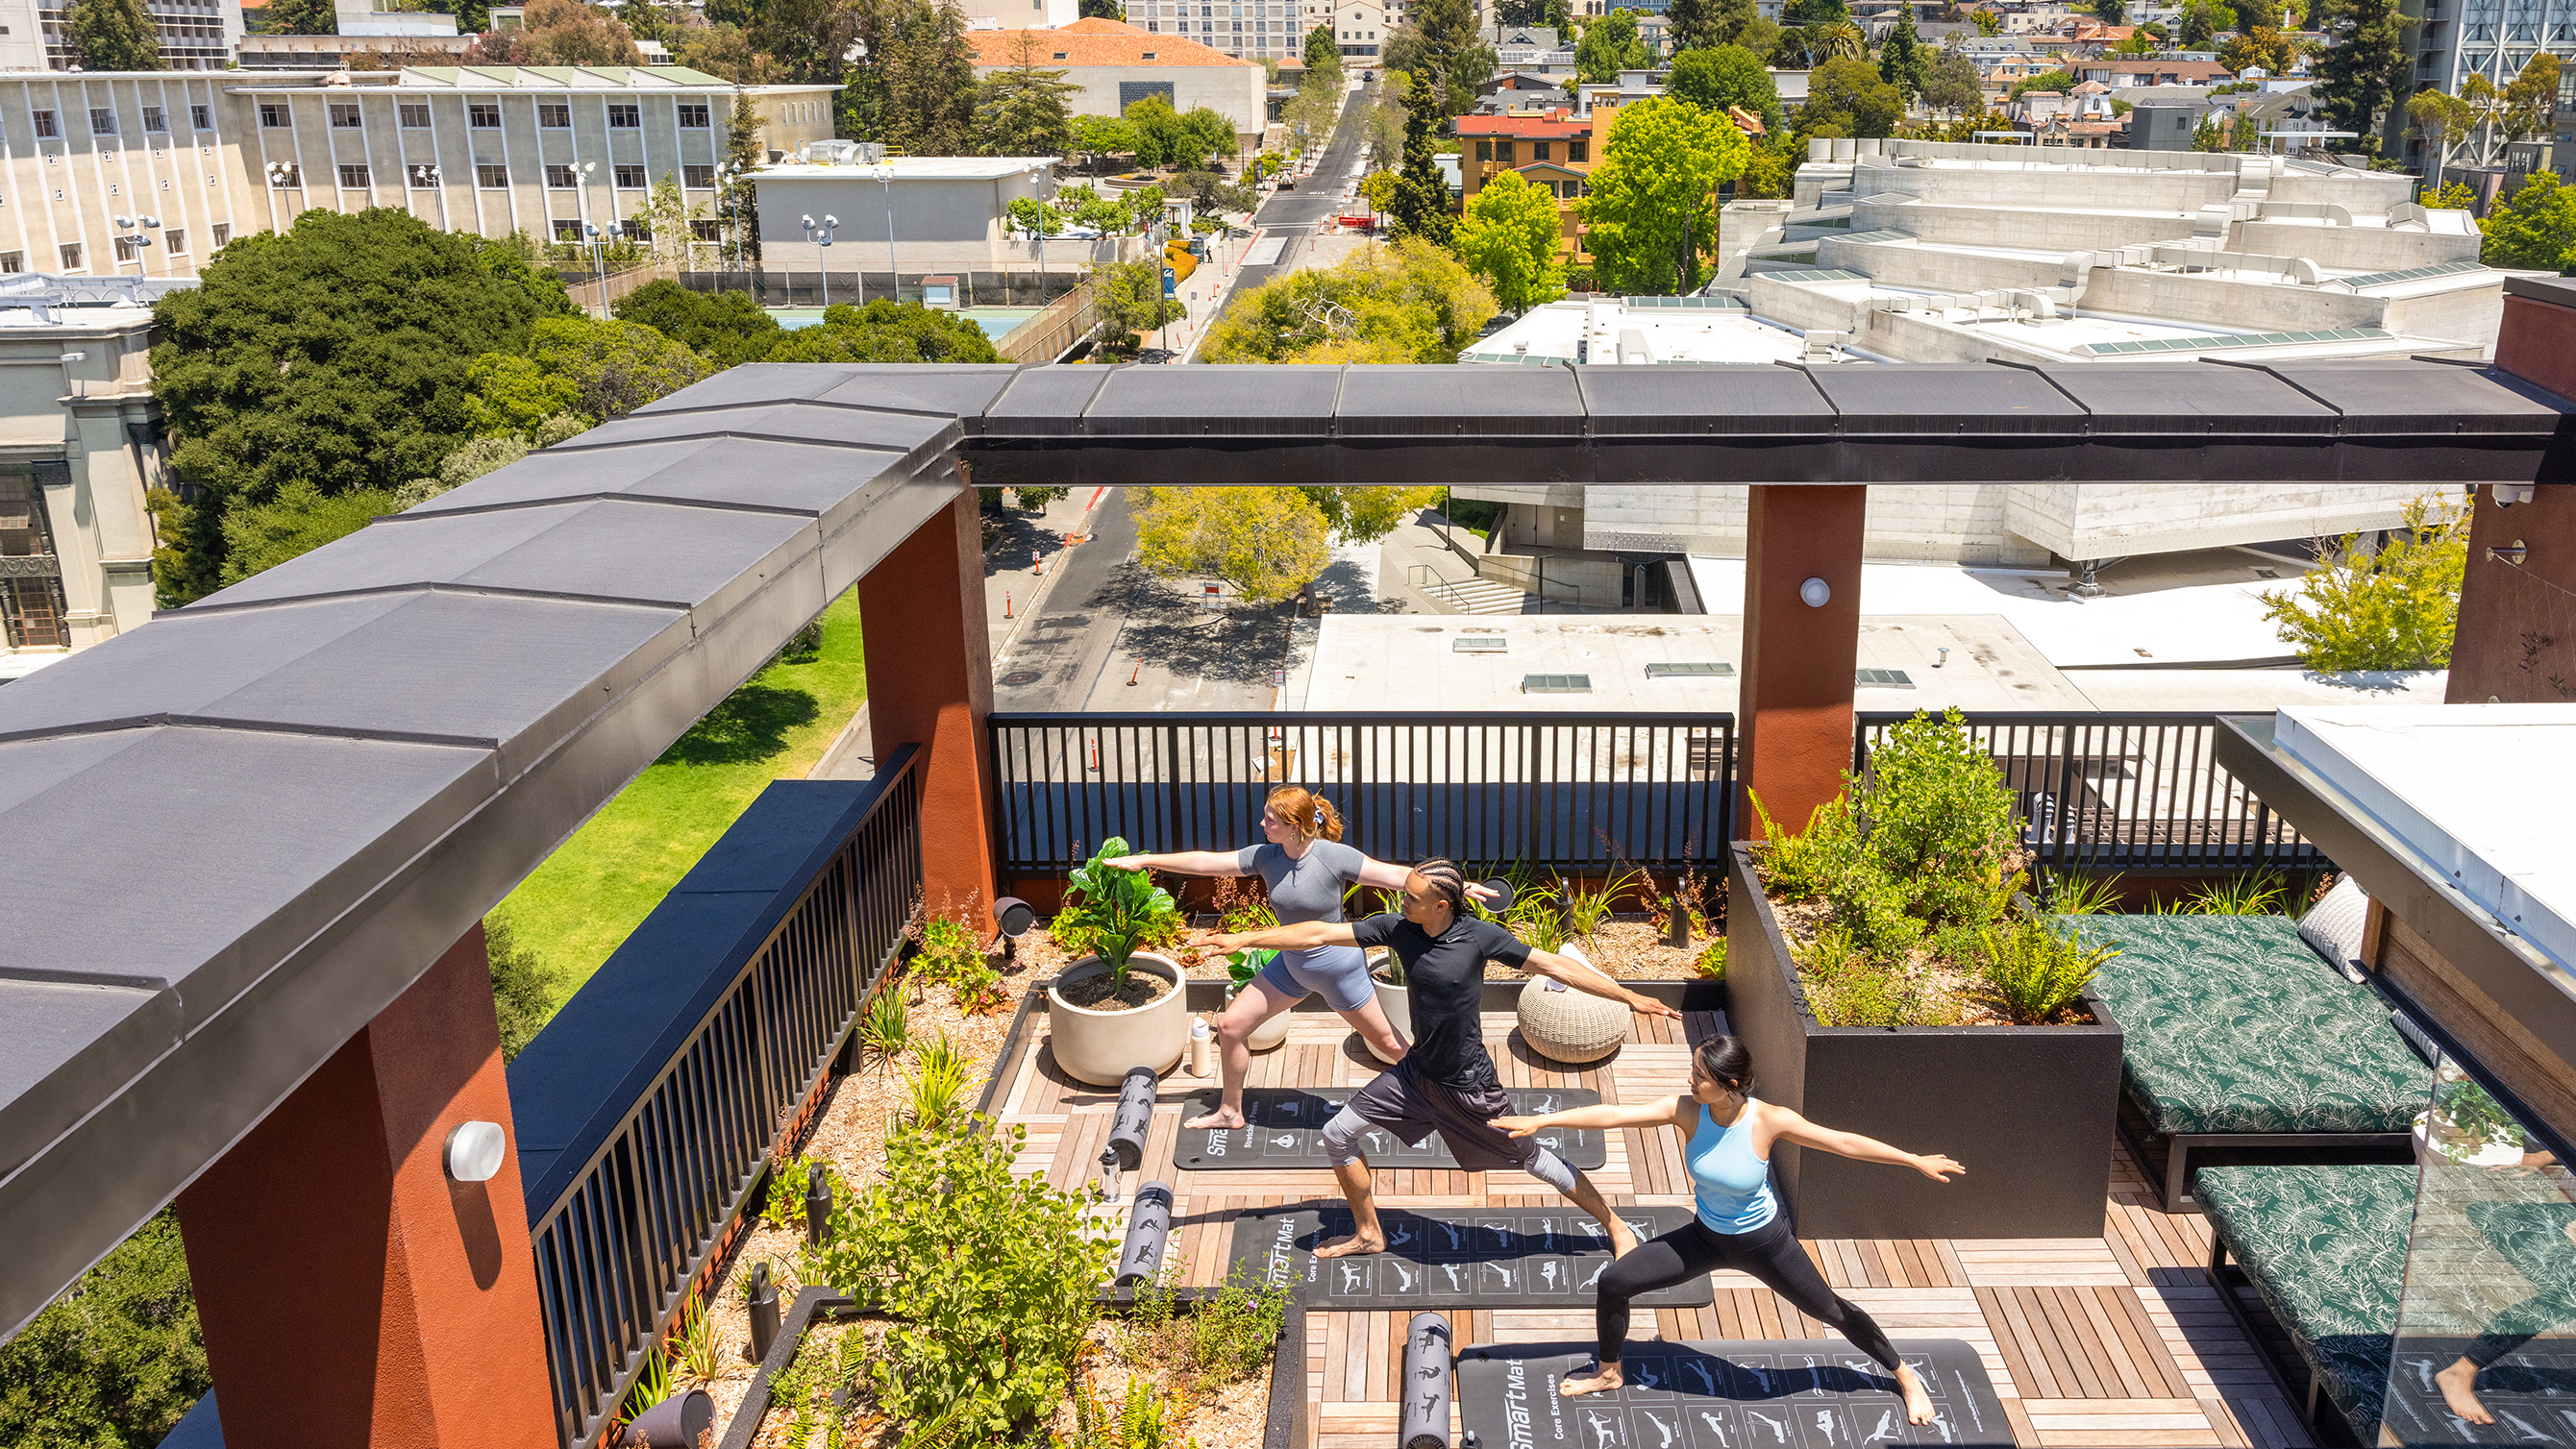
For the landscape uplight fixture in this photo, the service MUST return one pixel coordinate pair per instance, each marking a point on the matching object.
(2507, 495)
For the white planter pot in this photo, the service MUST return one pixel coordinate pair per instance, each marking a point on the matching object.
(1395, 1002)
(1099, 1047)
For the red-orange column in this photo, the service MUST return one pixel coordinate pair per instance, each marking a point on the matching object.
(930, 683)
(2517, 636)
(350, 1291)
(1795, 709)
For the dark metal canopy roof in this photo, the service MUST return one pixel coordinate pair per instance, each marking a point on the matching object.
(236, 834)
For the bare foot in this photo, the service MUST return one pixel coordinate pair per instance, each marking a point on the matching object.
(1600, 1380)
(2459, 1385)
(1354, 1246)
(1918, 1404)
(1222, 1117)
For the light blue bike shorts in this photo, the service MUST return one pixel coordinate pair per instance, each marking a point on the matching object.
(1340, 973)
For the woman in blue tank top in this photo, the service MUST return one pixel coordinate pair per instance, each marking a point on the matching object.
(1739, 1224)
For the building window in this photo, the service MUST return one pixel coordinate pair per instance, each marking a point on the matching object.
(1538, 150)
(698, 178)
(13, 261)
(635, 229)
(102, 121)
(175, 243)
(45, 126)
(1574, 150)
(223, 233)
(71, 253)
(630, 178)
(156, 120)
(202, 117)
(353, 177)
(554, 116)
(567, 231)
(492, 178)
(625, 116)
(414, 115)
(287, 177)
(1484, 150)
(275, 116)
(706, 231)
(483, 115)
(561, 178)
(345, 117)
(125, 250)
(693, 118)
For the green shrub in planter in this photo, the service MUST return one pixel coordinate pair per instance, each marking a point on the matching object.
(988, 1277)
(1114, 913)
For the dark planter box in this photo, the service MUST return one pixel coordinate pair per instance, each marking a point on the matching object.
(2028, 1110)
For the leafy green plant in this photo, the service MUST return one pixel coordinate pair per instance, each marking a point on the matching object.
(1586, 910)
(1141, 1421)
(1802, 867)
(1243, 904)
(652, 1386)
(116, 1361)
(700, 1349)
(2082, 895)
(2036, 970)
(940, 1084)
(887, 1028)
(1710, 964)
(1232, 1335)
(2394, 609)
(1938, 817)
(987, 1278)
(1115, 911)
(788, 1179)
(2257, 893)
(1242, 966)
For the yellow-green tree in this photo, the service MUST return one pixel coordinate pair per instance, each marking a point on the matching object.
(1406, 302)
(1652, 205)
(1266, 542)
(1509, 237)
(2395, 609)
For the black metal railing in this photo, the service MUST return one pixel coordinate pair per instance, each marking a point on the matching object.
(1572, 792)
(2138, 792)
(647, 1112)
(1550, 790)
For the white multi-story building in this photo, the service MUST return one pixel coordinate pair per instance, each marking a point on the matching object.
(195, 34)
(89, 162)
(2456, 39)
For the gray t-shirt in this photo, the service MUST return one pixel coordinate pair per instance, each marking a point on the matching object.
(1308, 888)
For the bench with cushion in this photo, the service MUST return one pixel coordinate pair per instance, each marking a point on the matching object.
(2237, 1034)
(2325, 1246)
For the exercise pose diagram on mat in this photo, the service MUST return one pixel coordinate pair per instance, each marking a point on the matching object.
(1739, 1224)
(1446, 1083)
(1306, 868)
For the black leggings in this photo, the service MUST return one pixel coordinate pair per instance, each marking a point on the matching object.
(1769, 1252)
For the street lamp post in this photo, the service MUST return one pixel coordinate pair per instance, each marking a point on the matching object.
(821, 236)
(590, 232)
(426, 178)
(135, 231)
(894, 270)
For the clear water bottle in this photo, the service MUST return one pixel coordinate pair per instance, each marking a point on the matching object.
(1201, 1046)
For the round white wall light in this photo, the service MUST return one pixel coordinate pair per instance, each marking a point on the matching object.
(474, 1151)
(1814, 592)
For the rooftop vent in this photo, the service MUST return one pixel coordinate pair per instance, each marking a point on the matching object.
(1881, 679)
(1687, 670)
(1479, 644)
(1556, 684)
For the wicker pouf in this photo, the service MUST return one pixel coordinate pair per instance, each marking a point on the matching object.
(1566, 1025)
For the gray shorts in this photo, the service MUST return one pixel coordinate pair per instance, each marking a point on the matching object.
(1411, 1107)
(1338, 973)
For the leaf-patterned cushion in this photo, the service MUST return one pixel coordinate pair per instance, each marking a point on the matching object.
(2234, 1025)
(2326, 1247)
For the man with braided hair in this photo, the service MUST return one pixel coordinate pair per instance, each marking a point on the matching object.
(1447, 1083)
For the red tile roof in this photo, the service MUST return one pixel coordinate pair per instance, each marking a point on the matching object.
(1093, 41)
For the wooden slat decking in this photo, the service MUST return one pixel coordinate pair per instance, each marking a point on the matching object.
(2115, 1340)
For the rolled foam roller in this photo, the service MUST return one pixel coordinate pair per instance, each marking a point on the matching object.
(1134, 1118)
(1149, 1226)
(1424, 1421)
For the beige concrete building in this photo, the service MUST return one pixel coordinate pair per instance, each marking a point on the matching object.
(947, 215)
(1189, 59)
(80, 441)
(207, 157)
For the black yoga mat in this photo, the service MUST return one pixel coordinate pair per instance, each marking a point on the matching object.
(1462, 1257)
(1286, 1123)
(1737, 1394)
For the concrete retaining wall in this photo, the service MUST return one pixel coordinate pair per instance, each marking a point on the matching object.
(2364, 248)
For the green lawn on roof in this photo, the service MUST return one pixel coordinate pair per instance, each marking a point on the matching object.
(583, 902)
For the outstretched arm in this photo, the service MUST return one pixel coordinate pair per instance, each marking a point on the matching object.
(1185, 862)
(1660, 1112)
(1389, 877)
(1588, 978)
(1804, 1133)
(1303, 936)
